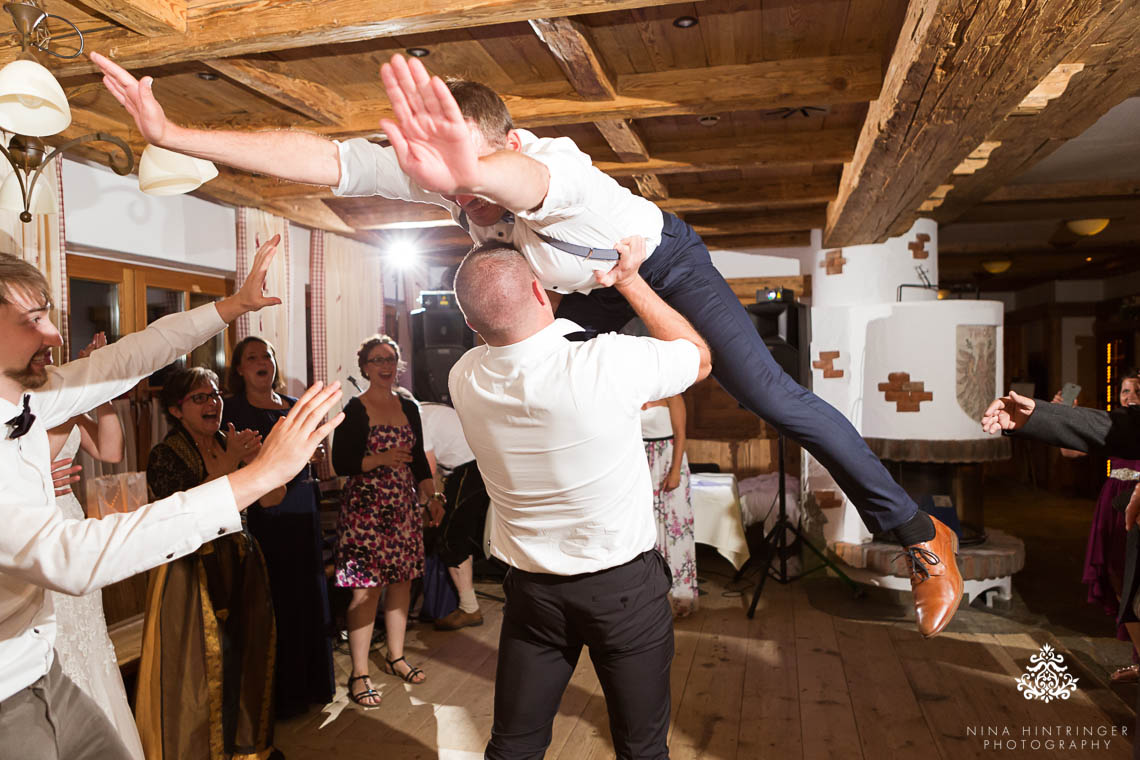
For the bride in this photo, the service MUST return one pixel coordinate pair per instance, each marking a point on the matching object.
(82, 644)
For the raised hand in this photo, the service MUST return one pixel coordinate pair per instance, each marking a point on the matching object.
(98, 341)
(242, 446)
(1007, 413)
(433, 142)
(137, 97)
(251, 295)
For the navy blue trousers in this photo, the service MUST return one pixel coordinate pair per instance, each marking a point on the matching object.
(682, 273)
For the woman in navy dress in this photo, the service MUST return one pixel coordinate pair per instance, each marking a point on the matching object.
(290, 538)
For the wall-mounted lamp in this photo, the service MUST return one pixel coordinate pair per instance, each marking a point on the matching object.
(1086, 227)
(997, 266)
(164, 172)
(32, 105)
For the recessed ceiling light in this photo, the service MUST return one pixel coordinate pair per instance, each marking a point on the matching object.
(418, 52)
(684, 22)
(207, 76)
(708, 120)
(1088, 258)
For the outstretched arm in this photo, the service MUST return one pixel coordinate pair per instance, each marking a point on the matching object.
(440, 151)
(289, 155)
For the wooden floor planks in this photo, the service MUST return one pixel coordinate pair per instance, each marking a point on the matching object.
(795, 683)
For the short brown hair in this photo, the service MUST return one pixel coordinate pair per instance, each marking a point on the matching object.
(492, 285)
(15, 272)
(371, 343)
(179, 384)
(235, 383)
(482, 105)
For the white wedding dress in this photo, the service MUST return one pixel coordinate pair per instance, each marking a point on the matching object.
(84, 648)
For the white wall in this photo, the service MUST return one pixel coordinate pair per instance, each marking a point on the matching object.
(104, 210)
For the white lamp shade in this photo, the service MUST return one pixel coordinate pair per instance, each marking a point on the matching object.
(1087, 227)
(164, 172)
(31, 101)
(43, 200)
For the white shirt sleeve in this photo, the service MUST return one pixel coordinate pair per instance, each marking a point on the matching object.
(370, 169)
(84, 384)
(41, 546)
(646, 369)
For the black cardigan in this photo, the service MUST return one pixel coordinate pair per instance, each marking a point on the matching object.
(350, 441)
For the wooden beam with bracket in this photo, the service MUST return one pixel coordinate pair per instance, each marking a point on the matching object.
(306, 97)
(150, 18)
(958, 69)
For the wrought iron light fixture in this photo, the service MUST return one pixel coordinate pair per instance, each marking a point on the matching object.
(33, 105)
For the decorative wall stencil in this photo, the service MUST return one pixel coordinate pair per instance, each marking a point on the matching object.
(826, 363)
(904, 393)
(918, 246)
(976, 384)
(833, 262)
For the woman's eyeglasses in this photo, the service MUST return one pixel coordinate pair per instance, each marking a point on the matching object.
(383, 361)
(202, 398)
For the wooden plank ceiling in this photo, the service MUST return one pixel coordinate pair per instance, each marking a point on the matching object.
(752, 123)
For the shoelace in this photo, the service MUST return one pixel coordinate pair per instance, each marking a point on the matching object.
(918, 558)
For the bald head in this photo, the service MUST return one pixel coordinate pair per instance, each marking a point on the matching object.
(498, 294)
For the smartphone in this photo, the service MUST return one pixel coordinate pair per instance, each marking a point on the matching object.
(1069, 393)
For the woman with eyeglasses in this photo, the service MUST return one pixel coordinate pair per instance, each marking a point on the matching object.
(380, 447)
(205, 678)
(289, 536)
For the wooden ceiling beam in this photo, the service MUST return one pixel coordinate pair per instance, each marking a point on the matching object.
(763, 240)
(784, 220)
(1060, 190)
(569, 43)
(792, 191)
(957, 70)
(1060, 209)
(306, 97)
(150, 18)
(1109, 73)
(227, 29)
(824, 146)
(769, 84)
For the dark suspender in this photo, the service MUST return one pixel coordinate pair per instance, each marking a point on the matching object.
(581, 251)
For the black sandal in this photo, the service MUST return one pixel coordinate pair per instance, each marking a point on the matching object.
(409, 676)
(360, 696)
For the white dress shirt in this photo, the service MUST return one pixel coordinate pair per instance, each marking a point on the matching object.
(583, 205)
(40, 548)
(444, 432)
(556, 430)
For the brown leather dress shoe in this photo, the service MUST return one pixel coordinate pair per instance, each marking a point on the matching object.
(934, 579)
(459, 619)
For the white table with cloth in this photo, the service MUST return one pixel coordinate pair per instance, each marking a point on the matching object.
(717, 519)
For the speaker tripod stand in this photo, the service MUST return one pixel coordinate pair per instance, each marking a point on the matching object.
(776, 545)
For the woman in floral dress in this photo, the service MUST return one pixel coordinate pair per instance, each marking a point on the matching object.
(663, 430)
(380, 533)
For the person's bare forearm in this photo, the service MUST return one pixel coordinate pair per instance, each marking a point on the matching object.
(287, 154)
(511, 180)
(663, 321)
(677, 420)
(109, 434)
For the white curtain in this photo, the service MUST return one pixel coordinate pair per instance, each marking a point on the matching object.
(353, 305)
(254, 227)
(41, 242)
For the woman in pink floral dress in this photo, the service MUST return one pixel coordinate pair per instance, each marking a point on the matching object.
(663, 430)
(380, 533)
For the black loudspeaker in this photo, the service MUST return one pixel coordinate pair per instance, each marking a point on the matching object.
(439, 337)
(785, 328)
